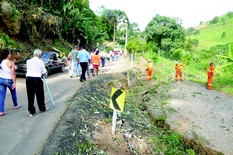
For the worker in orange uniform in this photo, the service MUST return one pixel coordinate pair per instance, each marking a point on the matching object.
(178, 71)
(210, 74)
(149, 71)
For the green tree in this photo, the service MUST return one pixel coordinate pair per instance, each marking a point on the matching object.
(223, 20)
(135, 45)
(230, 14)
(161, 28)
(214, 20)
(223, 34)
(190, 30)
(111, 20)
(228, 59)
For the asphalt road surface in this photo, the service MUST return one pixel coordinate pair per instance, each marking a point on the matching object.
(22, 135)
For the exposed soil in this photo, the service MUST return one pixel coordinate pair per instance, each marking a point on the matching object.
(204, 117)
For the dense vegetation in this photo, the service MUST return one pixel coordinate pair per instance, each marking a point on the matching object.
(64, 23)
(61, 23)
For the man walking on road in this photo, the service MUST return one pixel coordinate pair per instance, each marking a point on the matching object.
(83, 59)
(74, 63)
(34, 83)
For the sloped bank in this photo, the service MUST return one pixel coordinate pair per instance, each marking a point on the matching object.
(85, 128)
(158, 102)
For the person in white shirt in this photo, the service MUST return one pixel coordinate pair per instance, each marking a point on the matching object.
(83, 59)
(7, 80)
(34, 83)
(74, 64)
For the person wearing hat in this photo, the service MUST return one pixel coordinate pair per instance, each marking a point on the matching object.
(74, 63)
(178, 70)
(210, 74)
(149, 71)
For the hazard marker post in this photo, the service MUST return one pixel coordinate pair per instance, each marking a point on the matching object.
(117, 101)
(131, 59)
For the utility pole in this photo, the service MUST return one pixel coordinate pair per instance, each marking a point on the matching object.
(114, 33)
(126, 37)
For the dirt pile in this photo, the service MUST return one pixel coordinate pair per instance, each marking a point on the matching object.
(202, 116)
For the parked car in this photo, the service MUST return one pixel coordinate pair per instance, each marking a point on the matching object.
(51, 59)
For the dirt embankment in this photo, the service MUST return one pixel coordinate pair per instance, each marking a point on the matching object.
(85, 127)
(203, 117)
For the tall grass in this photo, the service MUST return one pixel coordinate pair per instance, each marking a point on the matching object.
(164, 71)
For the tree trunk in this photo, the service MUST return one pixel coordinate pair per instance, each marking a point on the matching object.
(114, 33)
(126, 37)
(159, 51)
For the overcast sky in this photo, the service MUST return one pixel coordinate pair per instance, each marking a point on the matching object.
(191, 12)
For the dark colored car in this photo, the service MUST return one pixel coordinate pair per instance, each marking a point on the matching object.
(51, 59)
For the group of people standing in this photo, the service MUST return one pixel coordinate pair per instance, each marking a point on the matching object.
(210, 74)
(178, 73)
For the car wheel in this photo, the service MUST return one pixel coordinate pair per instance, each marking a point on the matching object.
(62, 68)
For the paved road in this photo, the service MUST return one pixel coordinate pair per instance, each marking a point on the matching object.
(21, 135)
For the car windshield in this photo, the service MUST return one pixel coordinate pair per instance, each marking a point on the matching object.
(45, 57)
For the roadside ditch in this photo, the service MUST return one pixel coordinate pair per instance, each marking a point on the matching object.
(85, 128)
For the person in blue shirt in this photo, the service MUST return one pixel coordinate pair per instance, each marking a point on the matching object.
(83, 59)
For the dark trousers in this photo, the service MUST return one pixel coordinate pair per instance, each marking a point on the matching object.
(103, 62)
(35, 86)
(84, 69)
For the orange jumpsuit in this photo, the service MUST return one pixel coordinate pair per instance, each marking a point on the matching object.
(178, 72)
(149, 72)
(210, 74)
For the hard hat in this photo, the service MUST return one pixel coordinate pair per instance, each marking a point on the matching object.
(176, 62)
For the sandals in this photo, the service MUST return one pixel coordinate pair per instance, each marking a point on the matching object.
(17, 107)
(2, 113)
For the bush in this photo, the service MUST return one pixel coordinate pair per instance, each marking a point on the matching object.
(230, 14)
(223, 34)
(177, 54)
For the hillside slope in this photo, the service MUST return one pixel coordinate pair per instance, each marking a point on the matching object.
(211, 34)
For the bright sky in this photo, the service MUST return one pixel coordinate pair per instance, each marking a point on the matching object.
(191, 12)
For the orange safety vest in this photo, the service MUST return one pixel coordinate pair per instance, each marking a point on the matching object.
(178, 68)
(149, 71)
(210, 74)
(96, 59)
(211, 71)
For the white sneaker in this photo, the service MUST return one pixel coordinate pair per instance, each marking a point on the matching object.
(47, 108)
